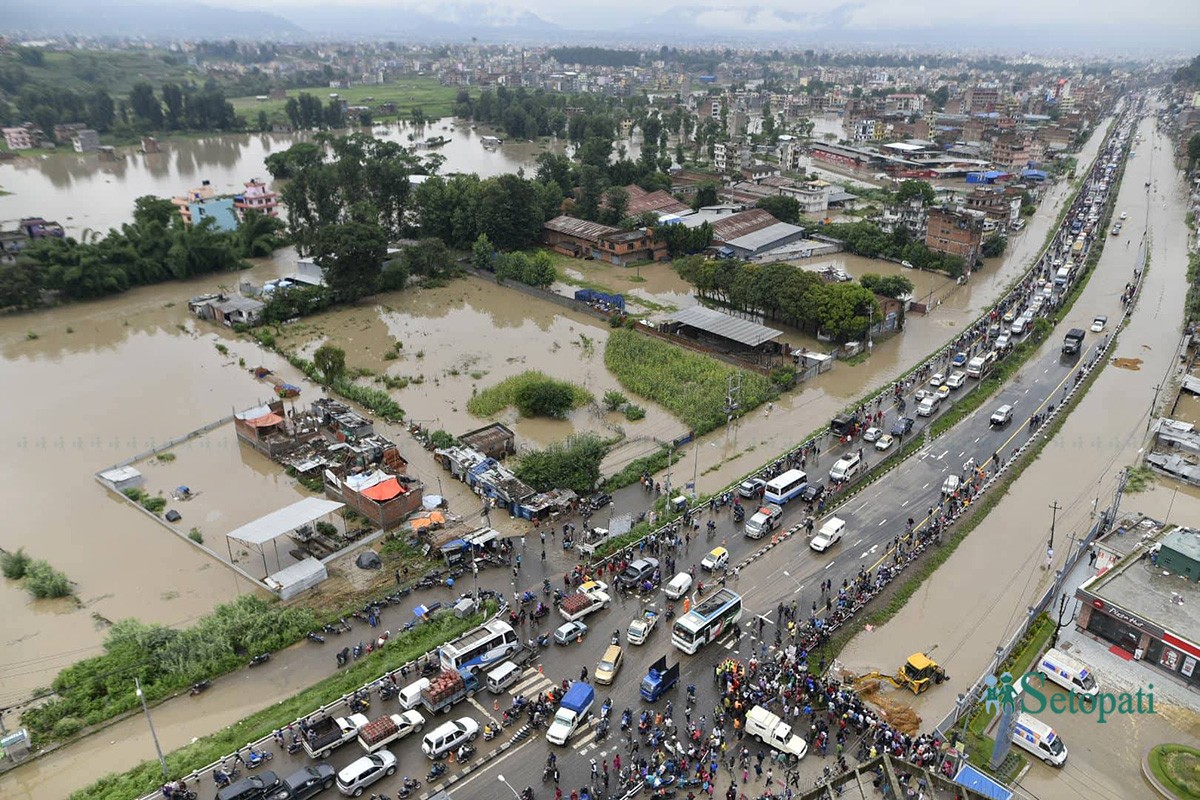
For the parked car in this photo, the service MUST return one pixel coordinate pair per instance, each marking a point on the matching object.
(884, 442)
(1001, 416)
(252, 787)
(943, 391)
(902, 426)
(871, 434)
(308, 782)
(956, 380)
(959, 359)
(1003, 341)
(568, 632)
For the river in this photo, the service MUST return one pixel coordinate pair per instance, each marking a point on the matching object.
(101, 381)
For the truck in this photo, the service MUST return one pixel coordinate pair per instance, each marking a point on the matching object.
(641, 628)
(659, 678)
(763, 521)
(574, 709)
(579, 604)
(389, 728)
(325, 735)
(1062, 276)
(1073, 342)
(774, 732)
(448, 688)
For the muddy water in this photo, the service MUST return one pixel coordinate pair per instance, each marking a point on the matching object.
(82, 192)
(1079, 467)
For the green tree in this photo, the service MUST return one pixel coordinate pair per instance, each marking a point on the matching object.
(172, 96)
(351, 254)
(100, 110)
(994, 247)
(145, 105)
(573, 463)
(1193, 149)
(915, 190)
(616, 203)
(781, 207)
(844, 310)
(940, 97)
(544, 399)
(149, 209)
(330, 361)
(428, 256)
(892, 286)
(706, 195)
(482, 253)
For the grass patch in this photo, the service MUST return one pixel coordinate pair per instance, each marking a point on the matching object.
(147, 777)
(1177, 767)
(434, 100)
(1139, 479)
(506, 393)
(633, 471)
(165, 458)
(690, 385)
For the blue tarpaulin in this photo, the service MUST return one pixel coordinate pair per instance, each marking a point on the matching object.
(1036, 174)
(592, 296)
(976, 781)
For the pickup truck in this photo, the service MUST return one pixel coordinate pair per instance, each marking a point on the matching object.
(447, 689)
(641, 628)
(771, 730)
(325, 735)
(659, 678)
(578, 605)
(763, 521)
(387, 729)
(574, 709)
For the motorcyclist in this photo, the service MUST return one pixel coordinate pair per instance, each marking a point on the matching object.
(463, 752)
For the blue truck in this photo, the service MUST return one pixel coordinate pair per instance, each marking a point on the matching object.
(659, 679)
(575, 707)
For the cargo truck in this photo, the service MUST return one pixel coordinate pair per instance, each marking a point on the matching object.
(578, 605)
(325, 735)
(447, 689)
(659, 678)
(385, 730)
(1073, 342)
(572, 711)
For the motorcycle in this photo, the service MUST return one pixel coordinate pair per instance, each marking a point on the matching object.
(388, 690)
(224, 777)
(437, 771)
(464, 752)
(410, 786)
(293, 746)
(260, 659)
(358, 650)
(527, 793)
(334, 629)
(316, 637)
(359, 704)
(543, 640)
(343, 656)
(490, 733)
(546, 589)
(199, 687)
(257, 758)
(626, 718)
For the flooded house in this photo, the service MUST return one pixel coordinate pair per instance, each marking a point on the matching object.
(229, 310)
(496, 441)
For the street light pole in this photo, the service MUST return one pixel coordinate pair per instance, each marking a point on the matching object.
(158, 748)
(798, 586)
(502, 779)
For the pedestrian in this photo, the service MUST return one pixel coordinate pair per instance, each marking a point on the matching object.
(397, 577)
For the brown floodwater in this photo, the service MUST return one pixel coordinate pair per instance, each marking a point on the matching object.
(102, 381)
(82, 192)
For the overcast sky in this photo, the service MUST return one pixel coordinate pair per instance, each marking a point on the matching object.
(799, 15)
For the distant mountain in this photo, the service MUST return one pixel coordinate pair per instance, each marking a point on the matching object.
(150, 20)
(456, 22)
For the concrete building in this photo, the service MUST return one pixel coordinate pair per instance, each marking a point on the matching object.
(958, 233)
(256, 197)
(1147, 603)
(86, 141)
(583, 239)
(22, 138)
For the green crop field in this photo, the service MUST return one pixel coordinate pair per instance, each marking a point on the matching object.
(433, 98)
(116, 71)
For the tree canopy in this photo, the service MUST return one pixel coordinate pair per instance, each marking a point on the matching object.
(781, 207)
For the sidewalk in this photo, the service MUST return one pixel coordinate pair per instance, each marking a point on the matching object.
(979, 597)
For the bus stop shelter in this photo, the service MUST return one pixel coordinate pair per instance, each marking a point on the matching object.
(279, 523)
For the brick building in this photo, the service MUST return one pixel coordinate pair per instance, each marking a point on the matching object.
(958, 233)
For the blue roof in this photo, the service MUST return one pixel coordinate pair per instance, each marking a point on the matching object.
(976, 781)
(1034, 173)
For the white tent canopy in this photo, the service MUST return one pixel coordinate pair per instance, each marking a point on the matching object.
(286, 519)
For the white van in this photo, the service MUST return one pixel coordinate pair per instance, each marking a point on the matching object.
(449, 735)
(410, 696)
(929, 405)
(502, 677)
(1040, 739)
(678, 586)
(846, 468)
(1018, 326)
(1072, 675)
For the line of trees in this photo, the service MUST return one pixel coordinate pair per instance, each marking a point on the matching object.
(155, 247)
(785, 293)
(869, 240)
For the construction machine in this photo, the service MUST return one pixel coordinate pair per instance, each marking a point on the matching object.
(917, 674)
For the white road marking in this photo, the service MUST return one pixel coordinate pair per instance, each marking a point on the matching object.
(943, 455)
(856, 544)
(860, 508)
(830, 564)
(963, 453)
(902, 505)
(882, 522)
(926, 486)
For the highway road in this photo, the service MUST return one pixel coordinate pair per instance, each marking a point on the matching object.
(874, 519)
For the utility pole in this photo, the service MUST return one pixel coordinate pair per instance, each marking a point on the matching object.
(733, 399)
(1153, 405)
(1060, 624)
(1054, 507)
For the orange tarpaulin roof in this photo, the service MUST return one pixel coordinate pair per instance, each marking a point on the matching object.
(424, 521)
(384, 490)
(265, 421)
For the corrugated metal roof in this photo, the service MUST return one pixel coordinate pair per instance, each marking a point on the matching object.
(764, 237)
(717, 323)
(580, 228)
(741, 223)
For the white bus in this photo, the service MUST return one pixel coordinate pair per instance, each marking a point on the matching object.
(706, 621)
(783, 488)
(481, 649)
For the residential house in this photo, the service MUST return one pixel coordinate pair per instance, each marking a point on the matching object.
(658, 202)
(64, 132)
(256, 197)
(37, 228)
(584, 239)
(86, 141)
(496, 441)
(229, 311)
(25, 137)
(1016, 151)
(958, 233)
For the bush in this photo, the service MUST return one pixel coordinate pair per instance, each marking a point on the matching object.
(634, 413)
(441, 439)
(573, 463)
(153, 504)
(195, 535)
(504, 394)
(614, 400)
(44, 581)
(14, 565)
(690, 385)
(545, 399)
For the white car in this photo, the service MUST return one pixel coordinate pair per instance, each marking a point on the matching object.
(829, 535)
(1003, 340)
(1098, 323)
(937, 380)
(717, 558)
(943, 391)
(872, 434)
(884, 442)
(956, 380)
(569, 632)
(360, 774)
(1124, 214)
